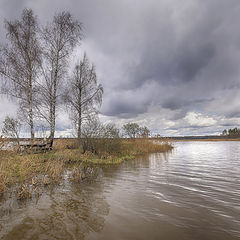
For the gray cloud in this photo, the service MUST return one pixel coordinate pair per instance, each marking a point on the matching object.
(157, 59)
(178, 103)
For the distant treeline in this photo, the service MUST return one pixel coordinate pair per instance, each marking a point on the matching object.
(235, 132)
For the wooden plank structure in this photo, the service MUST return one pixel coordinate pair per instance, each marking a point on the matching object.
(35, 146)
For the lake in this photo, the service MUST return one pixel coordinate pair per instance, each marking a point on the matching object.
(192, 193)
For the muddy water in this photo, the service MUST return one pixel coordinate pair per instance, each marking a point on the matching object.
(190, 193)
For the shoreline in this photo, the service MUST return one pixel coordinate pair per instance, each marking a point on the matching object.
(206, 140)
(25, 173)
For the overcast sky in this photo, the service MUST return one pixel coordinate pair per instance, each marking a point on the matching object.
(172, 65)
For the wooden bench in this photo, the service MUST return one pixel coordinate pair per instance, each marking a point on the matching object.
(36, 146)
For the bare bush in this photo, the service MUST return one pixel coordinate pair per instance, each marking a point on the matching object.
(99, 138)
(11, 128)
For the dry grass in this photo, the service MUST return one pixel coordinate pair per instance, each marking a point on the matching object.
(64, 143)
(23, 192)
(4, 166)
(3, 142)
(80, 173)
(54, 170)
(3, 183)
(141, 146)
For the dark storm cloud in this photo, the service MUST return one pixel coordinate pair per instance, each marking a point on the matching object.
(177, 65)
(180, 55)
(125, 109)
(177, 103)
(192, 62)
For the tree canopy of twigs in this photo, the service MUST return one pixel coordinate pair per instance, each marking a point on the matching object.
(59, 38)
(20, 63)
(83, 94)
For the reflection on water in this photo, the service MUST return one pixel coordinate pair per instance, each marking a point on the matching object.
(191, 193)
(67, 212)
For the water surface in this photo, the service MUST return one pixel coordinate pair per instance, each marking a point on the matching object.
(191, 193)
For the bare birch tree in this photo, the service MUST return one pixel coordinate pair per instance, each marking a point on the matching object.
(20, 61)
(59, 38)
(84, 94)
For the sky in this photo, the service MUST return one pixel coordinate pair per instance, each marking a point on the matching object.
(171, 65)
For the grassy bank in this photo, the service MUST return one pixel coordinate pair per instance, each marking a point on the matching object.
(51, 165)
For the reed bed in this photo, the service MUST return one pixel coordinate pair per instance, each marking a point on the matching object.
(141, 146)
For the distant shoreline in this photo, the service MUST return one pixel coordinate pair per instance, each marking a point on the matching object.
(206, 140)
(202, 138)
